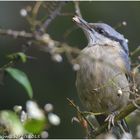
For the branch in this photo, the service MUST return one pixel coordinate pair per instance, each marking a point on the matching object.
(44, 42)
(53, 15)
(16, 34)
(123, 113)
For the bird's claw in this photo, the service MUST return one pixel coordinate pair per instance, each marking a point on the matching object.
(110, 120)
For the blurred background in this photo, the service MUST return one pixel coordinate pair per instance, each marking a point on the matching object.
(53, 82)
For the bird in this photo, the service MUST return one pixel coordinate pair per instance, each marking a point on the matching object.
(102, 80)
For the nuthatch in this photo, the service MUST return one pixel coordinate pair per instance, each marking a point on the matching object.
(102, 82)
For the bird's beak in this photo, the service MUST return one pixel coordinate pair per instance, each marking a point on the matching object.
(82, 23)
(86, 27)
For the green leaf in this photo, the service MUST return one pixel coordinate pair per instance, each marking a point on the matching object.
(35, 126)
(21, 78)
(21, 55)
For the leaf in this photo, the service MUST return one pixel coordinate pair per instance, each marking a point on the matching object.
(20, 55)
(21, 78)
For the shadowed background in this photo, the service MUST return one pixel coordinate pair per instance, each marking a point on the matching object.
(53, 82)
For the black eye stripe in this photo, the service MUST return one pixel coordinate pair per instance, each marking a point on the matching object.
(99, 30)
(104, 33)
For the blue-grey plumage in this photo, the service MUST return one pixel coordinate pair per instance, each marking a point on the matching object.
(101, 81)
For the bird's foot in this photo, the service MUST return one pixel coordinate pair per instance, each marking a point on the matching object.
(110, 119)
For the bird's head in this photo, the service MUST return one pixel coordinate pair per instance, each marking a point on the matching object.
(101, 33)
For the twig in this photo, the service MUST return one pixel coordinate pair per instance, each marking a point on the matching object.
(16, 34)
(9, 64)
(36, 8)
(45, 40)
(77, 9)
(77, 109)
(64, 48)
(134, 69)
(66, 14)
(135, 104)
(53, 15)
(135, 51)
(69, 31)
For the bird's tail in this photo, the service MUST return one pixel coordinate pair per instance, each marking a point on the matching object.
(120, 129)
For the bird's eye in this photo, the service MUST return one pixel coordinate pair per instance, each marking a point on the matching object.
(100, 31)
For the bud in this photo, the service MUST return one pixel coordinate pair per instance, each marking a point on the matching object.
(48, 107)
(23, 116)
(34, 111)
(124, 23)
(23, 12)
(119, 92)
(17, 108)
(44, 134)
(53, 119)
(76, 67)
(57, 57)
(126, 40)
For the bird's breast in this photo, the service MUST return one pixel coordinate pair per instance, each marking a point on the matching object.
(100, 77)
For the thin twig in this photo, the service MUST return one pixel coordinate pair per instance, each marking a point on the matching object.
(77, 9)
(53, 15)
(135, 51)
(16, 34)
(36, 8)
(69, 31)
(135, 69)
(64, 48)
(77, 109)
(9, 64)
